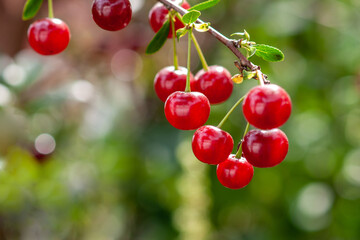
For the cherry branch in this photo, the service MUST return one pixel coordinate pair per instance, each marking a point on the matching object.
(230, 43)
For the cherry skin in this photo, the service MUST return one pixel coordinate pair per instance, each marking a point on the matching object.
(159, 14)
(234, 173)
(187, 110)
(267, 106)
(112, 15)
(48, 36)
(169, 80)
(265, 148)
(215, 83)
(212, 145)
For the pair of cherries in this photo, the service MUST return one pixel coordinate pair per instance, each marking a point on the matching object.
(51, 36)
(266, 107)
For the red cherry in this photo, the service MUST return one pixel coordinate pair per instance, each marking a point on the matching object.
(187, 110)
(234, 173)
(212, 145)
(265, 148)
(49, 36)
(169, 80)
(159, 14)
(267, 106)
(215, 83)
(112, 15)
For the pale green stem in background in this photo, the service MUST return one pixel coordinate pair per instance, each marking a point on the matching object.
(201, 55)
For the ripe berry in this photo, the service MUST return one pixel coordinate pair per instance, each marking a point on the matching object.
(212, 145)
(159, 14)
(169, 80)
(234, 173)
(187, 110)
(112, 15)
(267, 106)
(49, 36)
(215, 83)
(265, 148)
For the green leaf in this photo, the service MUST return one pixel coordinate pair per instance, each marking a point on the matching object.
(181, 32)
(191, 17)
(269, 53)
(204, 5)
(31, 8)
(159, 39)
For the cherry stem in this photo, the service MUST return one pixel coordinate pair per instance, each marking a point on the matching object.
(230, 43)
(230, 112)
(239, 152)
(260, 77)
(176, 61)
(50, 6)
(188, 89)
(200, 53)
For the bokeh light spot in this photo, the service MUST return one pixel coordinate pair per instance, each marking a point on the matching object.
(14, 75)
(82, 90)
(45, 143)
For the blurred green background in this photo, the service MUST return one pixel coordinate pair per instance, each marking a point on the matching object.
(86, 152)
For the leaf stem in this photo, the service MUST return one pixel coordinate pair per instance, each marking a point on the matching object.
(239, 152)
(230, 112)
(188, 88)
(171, 19)
(51, 11)
(200, 53)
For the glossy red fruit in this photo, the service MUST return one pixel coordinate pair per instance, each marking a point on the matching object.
(265, 148)
(215, 83)
(159, 14)
(187, 110)
(267, 106)
(234, 173)
(49, 36)
(168, 80)
(112, 15)
(212, 145)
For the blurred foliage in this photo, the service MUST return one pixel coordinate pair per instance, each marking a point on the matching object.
(120, 171)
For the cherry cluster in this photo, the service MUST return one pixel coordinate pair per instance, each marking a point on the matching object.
(265, 107)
